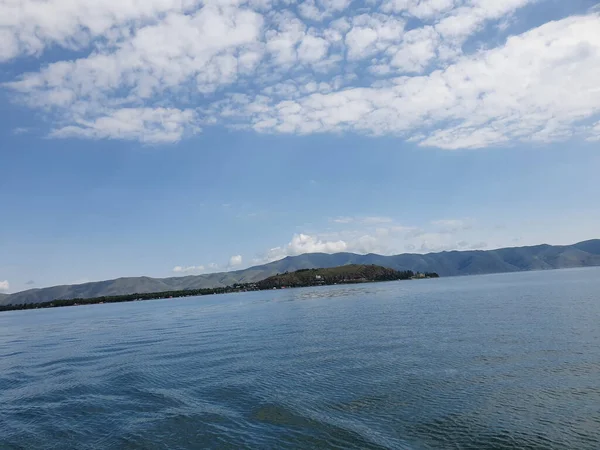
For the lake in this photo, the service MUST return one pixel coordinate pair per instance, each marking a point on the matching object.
(508, 361)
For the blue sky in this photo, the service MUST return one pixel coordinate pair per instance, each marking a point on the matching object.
(170, 137)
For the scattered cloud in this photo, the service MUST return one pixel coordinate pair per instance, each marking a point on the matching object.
(388, 237)
(189, 269)
(150, 125)
(594, 134)
(321, 9)
(30, 283)
(21, 130)
(199, 269)
(30, 26)
(157, 71)
(4, 286)
(235, 261)
(304, 243)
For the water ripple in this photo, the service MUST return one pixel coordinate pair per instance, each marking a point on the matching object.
(469, 363)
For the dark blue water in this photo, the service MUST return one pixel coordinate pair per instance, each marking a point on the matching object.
(492, 362)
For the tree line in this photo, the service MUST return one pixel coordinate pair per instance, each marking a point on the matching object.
(301, 278)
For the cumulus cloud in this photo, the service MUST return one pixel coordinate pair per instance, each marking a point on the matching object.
(304, 243)
(157, 71)
(367, 238)
(4, 286)
(388, 237)
(235, 261)
(385, 241)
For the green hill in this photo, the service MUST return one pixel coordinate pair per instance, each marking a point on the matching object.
(354, 273)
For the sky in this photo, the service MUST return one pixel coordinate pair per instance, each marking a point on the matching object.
(179, 137)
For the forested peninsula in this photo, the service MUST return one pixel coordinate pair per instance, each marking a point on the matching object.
(349, 274)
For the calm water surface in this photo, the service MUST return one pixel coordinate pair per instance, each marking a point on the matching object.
(506, 361)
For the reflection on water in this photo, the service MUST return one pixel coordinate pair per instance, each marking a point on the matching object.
(493, 362)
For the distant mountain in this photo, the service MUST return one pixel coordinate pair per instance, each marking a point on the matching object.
(2, 296)
(540, 257)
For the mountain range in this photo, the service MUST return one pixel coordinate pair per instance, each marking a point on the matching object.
(540, 257)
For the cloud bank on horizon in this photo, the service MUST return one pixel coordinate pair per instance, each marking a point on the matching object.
(441, 73)
(370, 234)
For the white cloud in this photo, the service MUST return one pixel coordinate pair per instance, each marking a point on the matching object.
(304, 243)
(312, 49)
(360, 235)
(4, 286)
(465, 20)
(149, 125)
(235, 261)
(189, 269)
(371, 34)
(422, 9)
(281, 41)
(321, 9)
(416, 51)
(521, 91)
(29, 26)
(160, 70)
(194, 50)
(182, 48)
(203, 268)
(388, 237)
(595, 133)
(391, 240)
